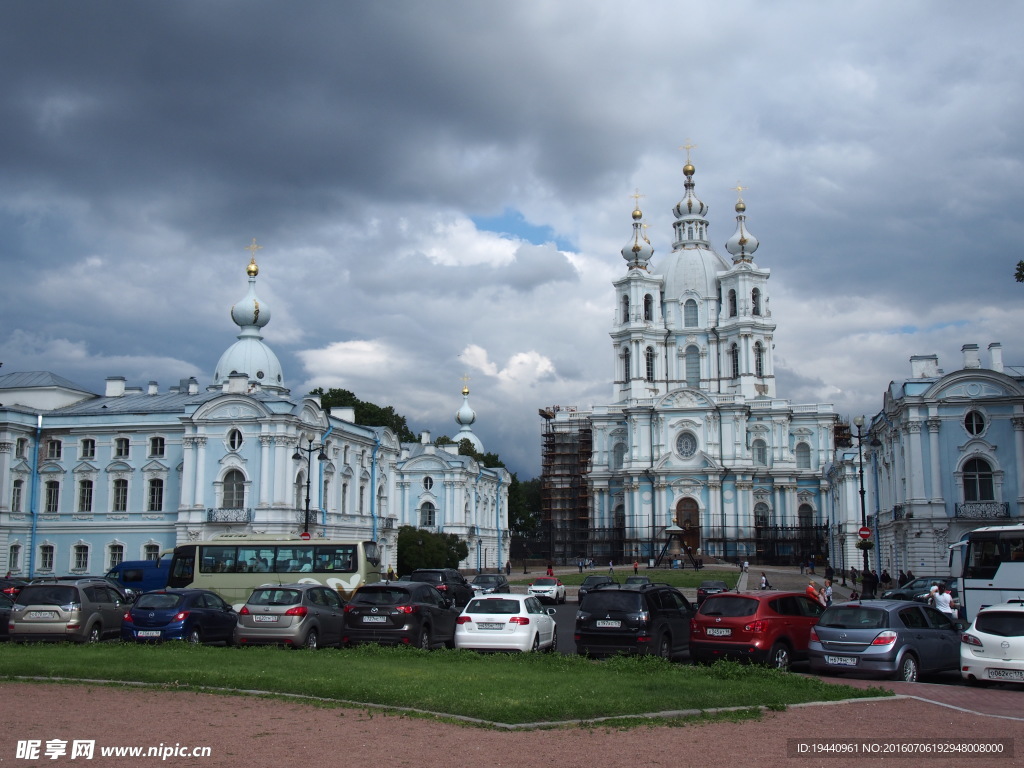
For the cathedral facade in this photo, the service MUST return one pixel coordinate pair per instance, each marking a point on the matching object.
(695, 452)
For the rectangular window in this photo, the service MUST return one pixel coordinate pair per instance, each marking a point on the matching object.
(156, 496)
(156, 447)
(20, 447)
(85, 496)
(88, 449)
(152, 552)
(46, 557)
(53, 449)
(81, 557)
(52, 497)
(14, 559)
(116, 555)
(120, 496)
(121, 448)
(16, 495)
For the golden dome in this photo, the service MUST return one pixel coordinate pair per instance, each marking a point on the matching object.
(637, 214)
(253, 269)
(465, 391)
(689, 170)
(740, 206)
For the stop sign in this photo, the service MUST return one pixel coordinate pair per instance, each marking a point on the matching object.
(864, 532)
(305, 534)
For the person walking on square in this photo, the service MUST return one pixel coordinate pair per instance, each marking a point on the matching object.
(508, 567)
(826, 593)
(636, 567)
(611, 567)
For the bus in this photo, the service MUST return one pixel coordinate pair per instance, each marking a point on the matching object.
(233, 564)
(990, 567)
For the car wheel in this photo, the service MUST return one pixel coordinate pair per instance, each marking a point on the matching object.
(554, 641)
(908, 669)
(95, 633)
(536, 643)
(424, 642)
(779, 657)
(195, 637)
(312, 641)
(665, 646)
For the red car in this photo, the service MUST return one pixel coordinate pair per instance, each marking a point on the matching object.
(767, 627)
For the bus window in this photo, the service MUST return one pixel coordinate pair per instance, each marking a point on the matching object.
(983, 558)
(1014, 544)
(339, 557)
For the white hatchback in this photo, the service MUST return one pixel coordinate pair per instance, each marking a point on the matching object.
(506, 623)
(992, 648)
(547, 588)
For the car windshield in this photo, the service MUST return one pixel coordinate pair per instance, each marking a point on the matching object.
(275, 596)
(159, 601)
(729, 606)
(47, 594)
(713, 585)
(1002, 623)
(377, 596)
(590, 581)
(545, 581)
(492, 605)
(624, 602)
(854, 617)
(487, 578)
(430, 577)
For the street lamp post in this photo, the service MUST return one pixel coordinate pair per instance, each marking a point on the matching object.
(859, 423)
(297, 456)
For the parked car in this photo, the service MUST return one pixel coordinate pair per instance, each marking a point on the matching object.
(489, 583)
(79, 610)
(447, 581)
(400, 614)
(992, 648)
(141, 575)
(917, 587)
(506, 623)
(126, 594)
(889, 637)
(708, 588)
(546, 588)
(766, 627)
(6, 604)
(297, 615)
(638, 580)
(593, 580)
(627, 618)
(11, 587)
(195, 615)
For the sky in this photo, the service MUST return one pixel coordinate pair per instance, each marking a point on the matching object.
(442, 190)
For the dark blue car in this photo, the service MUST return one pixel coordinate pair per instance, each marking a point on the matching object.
(195, 615)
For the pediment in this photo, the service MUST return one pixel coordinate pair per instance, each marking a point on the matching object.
(231, 408)
(685, 398)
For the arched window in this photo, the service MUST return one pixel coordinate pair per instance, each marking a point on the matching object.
(758, 360)
(120, 500)
(625, 309)
(427, 515)
(803, 456)
(978, 484)
(618, 456)
(234, 490)
(734, 361)
(692, 363)
(760, 453)
(627, 372)
(755, 301)
(648, 308)
(805, 516)
(761, 515)
(155, 495)
(649, 364)
(732, 303)
(690, 318)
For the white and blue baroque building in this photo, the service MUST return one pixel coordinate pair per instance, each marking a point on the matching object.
(88, 480)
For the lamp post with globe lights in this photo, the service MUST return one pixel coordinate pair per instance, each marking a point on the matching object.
(297, 456)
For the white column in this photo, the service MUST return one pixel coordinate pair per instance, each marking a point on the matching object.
(188, 462)
(200, 472)
(933, 449)
(915, 469)
(264, 499)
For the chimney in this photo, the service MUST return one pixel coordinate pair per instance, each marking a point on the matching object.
(425, 438)
(972, 358)
(153, 388)
(115, 386)
(193, 386)
(924, 366)
(996, 350)
(237, 383)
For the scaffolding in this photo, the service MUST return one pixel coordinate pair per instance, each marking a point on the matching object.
(564, 491)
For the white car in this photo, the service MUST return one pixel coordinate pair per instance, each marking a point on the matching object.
(506, 623)
(547, 588)
(992, 648)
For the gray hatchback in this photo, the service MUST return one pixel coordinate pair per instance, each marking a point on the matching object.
(296, 615)
(889, 637)
(80, 610)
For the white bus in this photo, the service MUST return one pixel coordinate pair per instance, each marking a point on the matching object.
(988, 564)
(233, 564)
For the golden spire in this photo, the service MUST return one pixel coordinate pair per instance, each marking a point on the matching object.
(740, 205)
(252, 270)
(465, 384)
(688, 146)
(636, 204)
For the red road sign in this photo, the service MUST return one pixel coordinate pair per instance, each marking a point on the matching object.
(864, 532)
(305, 535)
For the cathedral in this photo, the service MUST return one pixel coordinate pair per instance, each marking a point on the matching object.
(695, 454)
(88, 480)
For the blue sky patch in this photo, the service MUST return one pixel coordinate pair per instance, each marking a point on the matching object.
(512, 224)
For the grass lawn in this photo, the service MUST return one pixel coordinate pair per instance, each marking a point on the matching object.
(682, 579)
(524, 688)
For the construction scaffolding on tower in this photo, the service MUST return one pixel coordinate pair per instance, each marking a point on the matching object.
(564, 490)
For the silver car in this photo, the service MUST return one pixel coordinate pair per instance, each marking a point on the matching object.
(79, 610)
(297, 615)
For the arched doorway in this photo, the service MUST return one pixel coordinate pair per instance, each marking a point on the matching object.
(688, 518)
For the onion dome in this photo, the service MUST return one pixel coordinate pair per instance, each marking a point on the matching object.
(690, 205)
(742, 244)
(638, 251)
(464, 417)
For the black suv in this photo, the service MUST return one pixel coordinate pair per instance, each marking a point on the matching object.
(633, 618)
(449, 582)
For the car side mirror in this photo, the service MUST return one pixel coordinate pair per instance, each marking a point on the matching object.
(552, 611)
(447, 602)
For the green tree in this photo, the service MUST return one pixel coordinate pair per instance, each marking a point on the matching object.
(524, 507)
(1020, 272)
(422, 549)
(367, 414)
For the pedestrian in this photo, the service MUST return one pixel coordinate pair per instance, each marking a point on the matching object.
(853, 575)
(910, 575)
(944, 602)
(868, 585)
(551, 569)
(764, 581)
(580, 564)
(811, 590)
(885, 578)
(830, 573)
(810, 566)
(746, 566)
(636, 567)
(391, 573)
(826, 593)
(611, 567)
(901, 579)
(508, 567)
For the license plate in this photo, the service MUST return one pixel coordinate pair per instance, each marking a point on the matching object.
(1006, 674)
(490, 625)
(607, 623)
(374, 619)
(264, 619)
(718, 632)
(41, 615)
(842, 661)
(148, 633)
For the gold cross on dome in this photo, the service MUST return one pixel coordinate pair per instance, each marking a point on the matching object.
(252, 248)
(688, 146)
(739, 190)
(636, 198)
